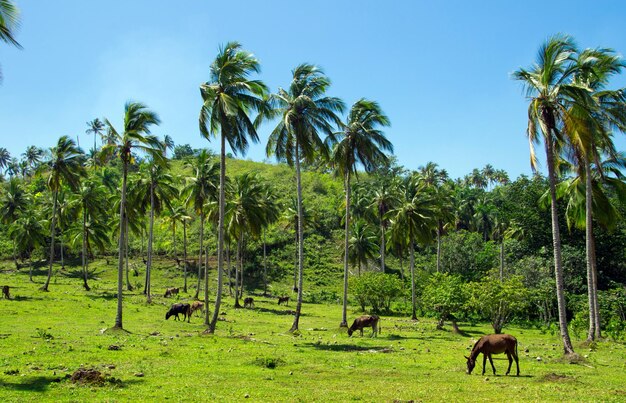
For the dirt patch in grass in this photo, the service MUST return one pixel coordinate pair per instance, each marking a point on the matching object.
(92, 377)
(552, 377)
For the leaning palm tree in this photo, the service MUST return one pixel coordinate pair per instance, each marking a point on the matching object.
(360, 142)
(65, 168)
(9, 23)
(303, 111)
(553, 96)
(201, 189)
(226, 101)
(135, 136)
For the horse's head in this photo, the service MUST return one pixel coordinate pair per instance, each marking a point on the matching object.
(471, 363)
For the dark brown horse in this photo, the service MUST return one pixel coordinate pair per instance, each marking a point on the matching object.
(494, 344)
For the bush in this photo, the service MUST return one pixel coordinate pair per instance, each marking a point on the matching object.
(377, 290)
(444, 297)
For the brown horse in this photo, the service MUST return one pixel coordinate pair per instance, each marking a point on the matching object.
(494, 344)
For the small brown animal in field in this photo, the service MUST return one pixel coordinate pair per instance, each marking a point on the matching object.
(5, 292)
(283, 300)
(494, 344)
(178, 309)
(248, 302)
(195, 306)
(365, 321)
(169, 292)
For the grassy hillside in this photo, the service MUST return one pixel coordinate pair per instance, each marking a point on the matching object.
(46, 337)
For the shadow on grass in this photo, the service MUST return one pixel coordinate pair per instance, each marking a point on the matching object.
(31, 384)
(340, 347)
(24, 298)
(78, 273)
(278, 311)
(103, 295)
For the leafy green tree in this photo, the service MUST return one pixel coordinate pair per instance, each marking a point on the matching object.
(445, 295)
(376, 289)
(9, 23)
(553, 97)
(360, 143)
(498, 301)
(135, 136)
(304, 111)
(226, 101)
(65, 167)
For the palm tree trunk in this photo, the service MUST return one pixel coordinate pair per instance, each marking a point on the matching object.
(185, 253)
(120, 264)
(590, 255)
(52, 229)
(382, 244)
(85, 248)
(206, 287)
(502, 260)
(264, 265)
(129, 286)
(296, 319)
(412, 264)
(61, 246)
(556, 243)
(344, 312)
(594, 272)
(220, 235)
(174, 241)
(230, 271)
(200, 256)
(237, 260)
(438, 245)
(17, 266)
(150, 238)
(295, 266)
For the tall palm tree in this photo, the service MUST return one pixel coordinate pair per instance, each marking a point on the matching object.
(384, 198)
(414, 219)
(5, 158)
(135, 136)
(362, 245)
(201, 189)
(32, 156)
(14, 201)
(595, 68)
(361, 142)
(552, 95)
(96, 127)
(9, 23)
(303, 111)
(65, 168)
(226, 101)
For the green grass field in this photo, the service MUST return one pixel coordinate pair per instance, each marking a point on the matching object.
(46, 337)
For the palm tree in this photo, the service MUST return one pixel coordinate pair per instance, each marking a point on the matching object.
(384, 199)
(97, 128)
(362, 245)
(9, 23)
(135, 135)
(414, 220)
(226, 100)
(156, 190)
(32, 156)
(5, 158)
(552, 95)
(91, 197)
(27, 233)
(271, 213)
(14, 202)
(361, 142)
(200, 190)
(304, 111)
(65, 168)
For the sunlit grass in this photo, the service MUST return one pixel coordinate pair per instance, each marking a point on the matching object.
(45, 337)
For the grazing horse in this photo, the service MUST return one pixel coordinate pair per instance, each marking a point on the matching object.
(283, 300)
(248, 302)
(169, 292)
(494, 344)
(179, 309)
(5, 292)
(365, 321)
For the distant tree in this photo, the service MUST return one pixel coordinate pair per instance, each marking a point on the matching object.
(27, 233)
(97, 128)
(14, 201)
(362, 245)
(32, 156)
(183, 150)
(446, 296)
(5, 158)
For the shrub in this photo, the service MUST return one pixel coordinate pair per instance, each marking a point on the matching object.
(377, 290)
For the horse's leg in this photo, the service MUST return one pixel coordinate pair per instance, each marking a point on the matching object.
(516, 361)
(508, 355)
(492, 366)
(484, 362)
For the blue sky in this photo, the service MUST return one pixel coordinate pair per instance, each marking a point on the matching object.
(440, 70)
